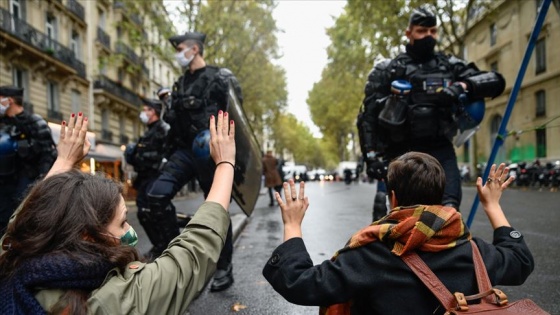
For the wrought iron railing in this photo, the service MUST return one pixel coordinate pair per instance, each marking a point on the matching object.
(129, 53)
(103, 38)
(118, 90)
(76, 8)
(30, 35)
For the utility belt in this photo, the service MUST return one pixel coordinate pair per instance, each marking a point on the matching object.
(404, 121)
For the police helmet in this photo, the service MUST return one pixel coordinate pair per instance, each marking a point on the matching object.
(8, 152)
(201, 145)
(471, 114)
(423, 16)
(163, 91)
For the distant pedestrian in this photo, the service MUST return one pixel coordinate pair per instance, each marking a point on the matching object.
(272, 179)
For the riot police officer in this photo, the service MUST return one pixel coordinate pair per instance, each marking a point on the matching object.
(27, 151)
(421, 118)
(146, 157)
(200, 92)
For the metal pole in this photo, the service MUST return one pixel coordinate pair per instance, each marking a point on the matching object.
(512, 97)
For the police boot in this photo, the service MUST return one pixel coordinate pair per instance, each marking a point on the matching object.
(223, 279)
(379, 206)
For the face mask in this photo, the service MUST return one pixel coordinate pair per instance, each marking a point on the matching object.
(3, 108)
(423, 48)
(182, 60)
(129, 238)
(144, 117)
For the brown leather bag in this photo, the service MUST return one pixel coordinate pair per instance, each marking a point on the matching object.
(492, 301)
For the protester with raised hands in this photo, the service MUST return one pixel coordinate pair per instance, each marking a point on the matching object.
(69, 248)
(368, 276)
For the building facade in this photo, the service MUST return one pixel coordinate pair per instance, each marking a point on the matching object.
(497, 40)
(98, 57)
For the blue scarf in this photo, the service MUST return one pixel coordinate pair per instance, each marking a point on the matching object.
(49, 272)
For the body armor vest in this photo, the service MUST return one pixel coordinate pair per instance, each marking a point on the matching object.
(193, 105)
(425, 117)
(149, 150)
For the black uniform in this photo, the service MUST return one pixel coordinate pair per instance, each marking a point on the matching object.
(146, 157)
(36, 153)
(428, 122)
(195, 97)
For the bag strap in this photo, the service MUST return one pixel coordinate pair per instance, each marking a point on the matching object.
(458, 300)
(430, 280)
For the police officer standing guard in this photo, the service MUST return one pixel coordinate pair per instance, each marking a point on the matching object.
(410, 105)
(200, 92)
(146, 156)
(27, 150)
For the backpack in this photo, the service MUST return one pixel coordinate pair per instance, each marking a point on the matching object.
(492, 301)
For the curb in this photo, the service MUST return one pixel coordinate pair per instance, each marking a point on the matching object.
(238, 223)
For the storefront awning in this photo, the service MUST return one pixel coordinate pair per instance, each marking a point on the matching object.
(106, 153)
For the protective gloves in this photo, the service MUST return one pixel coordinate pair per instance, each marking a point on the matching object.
(450, 95)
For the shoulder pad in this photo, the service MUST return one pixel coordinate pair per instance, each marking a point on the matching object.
(39, 121)
(454, 60)
(378, 68)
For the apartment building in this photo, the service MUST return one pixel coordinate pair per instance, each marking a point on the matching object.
(497, 40)
(99, 57)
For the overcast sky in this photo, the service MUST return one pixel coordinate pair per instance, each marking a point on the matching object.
(303, 44)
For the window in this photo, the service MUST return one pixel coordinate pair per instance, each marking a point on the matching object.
(540, 56)
(493, 31)
(20, 79)
(105, 133)
(50, 28)
(75, 44)
(76, 101)
(541, 143)
(539, 3)
(494, 128)
(53, 104)
(120, 75)
(494, 66)
(102, 19)
(540, 100)
(52, 96)
(16, 12)
(122, 131)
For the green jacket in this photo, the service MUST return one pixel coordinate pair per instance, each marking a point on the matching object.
(171, 282)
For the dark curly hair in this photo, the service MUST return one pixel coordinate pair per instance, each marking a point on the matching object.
(66, 214)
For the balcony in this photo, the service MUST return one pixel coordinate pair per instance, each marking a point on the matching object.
(128, 53)
(106, 135)
(117, 90)
(19, 29)
(104, 38)
(135, 18)
(76, 8)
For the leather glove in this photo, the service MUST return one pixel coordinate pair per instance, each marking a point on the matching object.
(376, 169)
(450, 95)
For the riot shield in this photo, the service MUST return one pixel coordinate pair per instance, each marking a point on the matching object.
(248, 158)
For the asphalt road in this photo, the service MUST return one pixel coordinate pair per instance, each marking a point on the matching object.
(337, 211)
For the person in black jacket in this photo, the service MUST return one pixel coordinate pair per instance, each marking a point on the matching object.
(368, 276)
(30, 155)
(146, 157)
(202, 91)
(411, 103)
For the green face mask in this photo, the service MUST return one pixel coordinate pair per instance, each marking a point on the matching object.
(129, 238)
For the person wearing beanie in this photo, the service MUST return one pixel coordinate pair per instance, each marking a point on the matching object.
(411, 104)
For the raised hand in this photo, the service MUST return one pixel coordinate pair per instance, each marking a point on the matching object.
(222, 139)
(293, 208)
(73, 145)
(491, 192)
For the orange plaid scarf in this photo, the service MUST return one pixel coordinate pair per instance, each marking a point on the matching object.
(426, 228)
